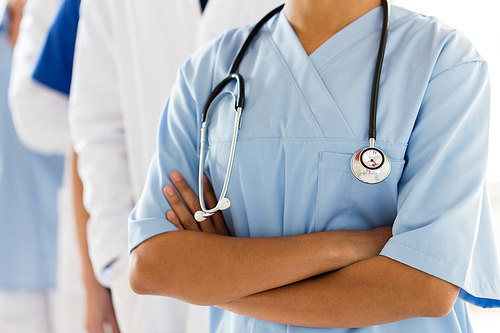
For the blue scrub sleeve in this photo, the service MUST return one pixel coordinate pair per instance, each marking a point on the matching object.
(177, 145)
(177, 149)
(55, 65)
(442, 211)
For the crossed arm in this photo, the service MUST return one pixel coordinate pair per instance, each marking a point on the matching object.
(324, 279)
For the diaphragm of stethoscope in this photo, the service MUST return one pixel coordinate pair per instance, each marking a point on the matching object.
(370, 165)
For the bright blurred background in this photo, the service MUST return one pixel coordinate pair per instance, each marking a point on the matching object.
(478, 20)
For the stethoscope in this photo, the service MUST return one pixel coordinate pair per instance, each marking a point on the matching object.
(370, 164)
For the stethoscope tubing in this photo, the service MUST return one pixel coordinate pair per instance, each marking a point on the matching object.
(223, 202)
(372, 132)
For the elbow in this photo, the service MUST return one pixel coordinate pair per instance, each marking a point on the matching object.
(153, 274)
(143, 276)
(137, 275)
(40, 117)
(144, 280)
(441, 298)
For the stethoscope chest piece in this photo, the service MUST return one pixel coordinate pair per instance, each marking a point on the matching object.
(370, 165)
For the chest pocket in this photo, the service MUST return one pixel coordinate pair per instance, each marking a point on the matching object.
(345, 203)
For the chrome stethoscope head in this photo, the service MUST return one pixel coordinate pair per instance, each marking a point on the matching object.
(223, 202)
(371, 165)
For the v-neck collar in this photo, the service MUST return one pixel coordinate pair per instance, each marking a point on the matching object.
(305, 69)
(366, 25)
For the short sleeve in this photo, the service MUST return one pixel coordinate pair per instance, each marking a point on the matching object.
(176, 150)
(178, 140)
(443, 225)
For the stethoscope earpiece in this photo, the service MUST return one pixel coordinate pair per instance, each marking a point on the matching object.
(201, 215)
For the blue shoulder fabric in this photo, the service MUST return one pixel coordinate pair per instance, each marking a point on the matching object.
(55, 65)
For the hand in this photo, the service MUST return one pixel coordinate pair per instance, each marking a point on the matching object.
(100, 314)
(182, 216)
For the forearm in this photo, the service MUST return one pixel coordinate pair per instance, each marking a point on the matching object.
(211, 269)
(15, 8)
(81, 218)
(375, 291)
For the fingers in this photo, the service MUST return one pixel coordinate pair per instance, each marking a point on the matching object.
(185, 203)
(186, 192)
(181, 217)
(192, 201)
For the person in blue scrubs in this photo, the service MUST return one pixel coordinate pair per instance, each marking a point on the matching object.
(313, 249)
(28, 223)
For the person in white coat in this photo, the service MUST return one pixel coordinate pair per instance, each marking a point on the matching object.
(126, 58)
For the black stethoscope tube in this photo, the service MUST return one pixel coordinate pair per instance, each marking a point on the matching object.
(239, 102)
(373, 172)
(372, 134)
(251, 36)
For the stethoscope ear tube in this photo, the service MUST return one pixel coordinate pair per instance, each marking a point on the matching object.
(240, 100)
(371, 165)
(378, 70)
(223, 202)
(251, 36)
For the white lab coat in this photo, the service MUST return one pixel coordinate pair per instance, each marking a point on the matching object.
(122, 76)
(123, 70)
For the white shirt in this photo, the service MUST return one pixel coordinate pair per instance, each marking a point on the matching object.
(39, 113)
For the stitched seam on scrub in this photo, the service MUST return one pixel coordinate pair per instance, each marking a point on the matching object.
(481, 62)
(429, 255)
(392, 144)
(392, 26)
(270, 37)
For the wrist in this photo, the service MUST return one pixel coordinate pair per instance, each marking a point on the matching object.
(89, 279)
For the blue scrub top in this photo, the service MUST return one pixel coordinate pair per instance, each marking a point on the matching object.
(305, 117)
(28, 207)
(55, 65)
